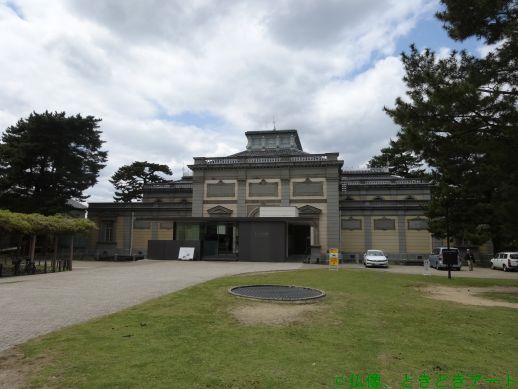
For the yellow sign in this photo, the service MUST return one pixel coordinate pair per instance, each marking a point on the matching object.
(333, 259)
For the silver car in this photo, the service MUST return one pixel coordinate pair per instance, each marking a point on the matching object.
(436, 259)
(375, 258)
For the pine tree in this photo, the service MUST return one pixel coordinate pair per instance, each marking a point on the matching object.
(129, 180)
(47, 159)
(461, 119)
(400, 161)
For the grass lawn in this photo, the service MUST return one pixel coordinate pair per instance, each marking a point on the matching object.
(369, 323)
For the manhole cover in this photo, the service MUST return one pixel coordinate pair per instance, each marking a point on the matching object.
(277, 292)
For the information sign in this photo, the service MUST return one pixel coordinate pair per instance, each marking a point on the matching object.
(186, 253)
(333, 259)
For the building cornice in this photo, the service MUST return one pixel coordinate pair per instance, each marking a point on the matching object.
(352, 205)
(92, 207)
(328, 159)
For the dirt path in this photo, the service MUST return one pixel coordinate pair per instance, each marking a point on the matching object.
(280, 314)
(470, 296)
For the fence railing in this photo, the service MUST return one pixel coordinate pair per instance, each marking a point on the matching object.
(260, 160)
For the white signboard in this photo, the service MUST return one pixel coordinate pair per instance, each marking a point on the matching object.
(426, 267)
(278, 212)
(186, 253)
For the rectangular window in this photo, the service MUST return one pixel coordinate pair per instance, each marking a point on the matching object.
(384, 224)
(308, 188)
(166, 225)
(418, 224)
(107, 234)
(187, 231)
(263, 189)
(221, 189)
(351, 224)
(142, 225)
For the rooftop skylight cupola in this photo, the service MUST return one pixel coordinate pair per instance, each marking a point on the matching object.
(273, 140)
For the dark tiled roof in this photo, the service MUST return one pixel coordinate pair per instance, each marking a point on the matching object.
(184, 184)
(274, 132)
(76, 204)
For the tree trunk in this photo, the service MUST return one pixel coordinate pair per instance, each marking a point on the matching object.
(32, 248)
(55, 256)
(71, 252)
(45, 252)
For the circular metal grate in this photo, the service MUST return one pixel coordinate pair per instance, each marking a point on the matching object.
(277, 292)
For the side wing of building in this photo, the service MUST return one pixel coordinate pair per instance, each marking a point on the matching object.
(385, 212)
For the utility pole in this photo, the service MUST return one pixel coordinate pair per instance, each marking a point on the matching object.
(448, 237)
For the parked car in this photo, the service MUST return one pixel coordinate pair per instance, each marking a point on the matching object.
(506, 261)
(375, 258)
(436, 258)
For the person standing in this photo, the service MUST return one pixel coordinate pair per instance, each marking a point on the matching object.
(470, 259)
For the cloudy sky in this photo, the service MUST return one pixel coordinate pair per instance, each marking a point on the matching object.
(177, 79)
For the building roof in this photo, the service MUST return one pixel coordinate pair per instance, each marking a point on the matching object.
(269, 153)
(76, 204)
(182, 185)
(376, 177)
(269, 148)
(273, 139)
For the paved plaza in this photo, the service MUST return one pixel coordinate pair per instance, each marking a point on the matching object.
(35, 305)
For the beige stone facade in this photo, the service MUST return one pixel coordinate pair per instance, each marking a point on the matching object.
(353, 210)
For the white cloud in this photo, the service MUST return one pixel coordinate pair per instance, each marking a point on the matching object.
(351, 112)
(484, 50)
(141, 65)
(443, 53)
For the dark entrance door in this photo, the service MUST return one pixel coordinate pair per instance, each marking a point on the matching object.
(262, 241)
(219, 239)
(299, 239)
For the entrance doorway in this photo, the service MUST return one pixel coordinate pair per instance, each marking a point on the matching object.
(220, 239)
(299, 239)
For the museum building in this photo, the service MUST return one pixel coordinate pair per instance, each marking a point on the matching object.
(270, 202)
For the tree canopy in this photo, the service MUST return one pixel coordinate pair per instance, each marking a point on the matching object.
(47, 159)
(400, 161)
(129, 180)
(491, 20)
(34, 223)
(461, 119)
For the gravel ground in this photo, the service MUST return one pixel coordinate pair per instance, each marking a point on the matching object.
(35, 305)
(477, 272)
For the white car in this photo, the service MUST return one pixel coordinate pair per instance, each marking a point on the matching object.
(506, 261)
(375, 258)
